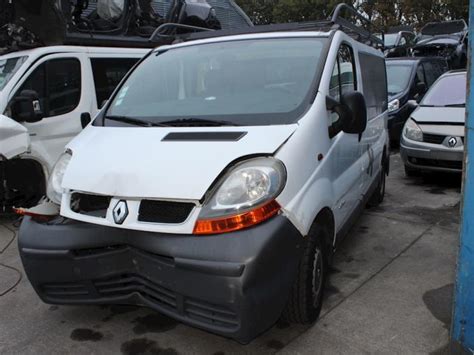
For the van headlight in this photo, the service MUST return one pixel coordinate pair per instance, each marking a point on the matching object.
(55, 190)
(413, 131)
(393, 105)
(245, 196)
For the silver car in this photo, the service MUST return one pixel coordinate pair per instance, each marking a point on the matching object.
(433, 137)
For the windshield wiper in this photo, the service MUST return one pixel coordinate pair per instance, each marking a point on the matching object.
(191, 122)
(134, 121)
(455, 105)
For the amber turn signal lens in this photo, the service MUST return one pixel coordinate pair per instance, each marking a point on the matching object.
(237, 222)
(35, 216)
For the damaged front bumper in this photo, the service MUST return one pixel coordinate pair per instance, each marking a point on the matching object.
(235, 284)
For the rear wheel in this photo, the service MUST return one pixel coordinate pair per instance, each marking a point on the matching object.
(306, 296)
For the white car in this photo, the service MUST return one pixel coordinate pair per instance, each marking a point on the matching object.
(47, 95)
(219, 179)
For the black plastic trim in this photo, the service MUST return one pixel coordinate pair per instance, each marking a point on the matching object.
(204, 136)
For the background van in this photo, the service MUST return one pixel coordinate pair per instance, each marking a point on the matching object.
(43, 95)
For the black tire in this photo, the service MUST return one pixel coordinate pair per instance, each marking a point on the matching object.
(410, 172)
(306, 296)
(379, 194)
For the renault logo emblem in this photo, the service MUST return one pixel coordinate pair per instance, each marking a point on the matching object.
(120, 212)
(452, 142)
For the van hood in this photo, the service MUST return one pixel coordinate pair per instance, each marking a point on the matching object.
(14, 138)
(138, 162)
(455, 115)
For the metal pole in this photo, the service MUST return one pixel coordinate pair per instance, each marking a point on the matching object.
(463, 316)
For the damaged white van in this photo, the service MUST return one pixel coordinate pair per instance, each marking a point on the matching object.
(47, 95)
(218, 180)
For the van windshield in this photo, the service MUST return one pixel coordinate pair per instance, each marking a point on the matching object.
(398, 77)
(8, 68)
(246, 82)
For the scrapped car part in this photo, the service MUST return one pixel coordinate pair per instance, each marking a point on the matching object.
(399, 41)
(444, 39)
(117, 23)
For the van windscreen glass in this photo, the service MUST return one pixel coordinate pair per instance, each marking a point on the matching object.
(247, 82)
(8, 68)
(398, 77)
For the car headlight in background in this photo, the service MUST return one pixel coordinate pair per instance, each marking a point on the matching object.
(413, 131)
(393, 105)
(244, 197)
(55, 191)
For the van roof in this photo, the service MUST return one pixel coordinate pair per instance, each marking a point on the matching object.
(75, 49)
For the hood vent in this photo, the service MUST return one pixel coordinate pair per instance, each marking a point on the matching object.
(204, 136)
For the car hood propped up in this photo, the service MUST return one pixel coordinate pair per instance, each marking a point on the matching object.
(137, 163)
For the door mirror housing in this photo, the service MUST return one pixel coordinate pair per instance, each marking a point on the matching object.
(85, 119)
(26, 107)
(421, 88)
(352, 111)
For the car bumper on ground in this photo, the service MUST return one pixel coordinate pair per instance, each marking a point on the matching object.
(431, 157)
(235, 284)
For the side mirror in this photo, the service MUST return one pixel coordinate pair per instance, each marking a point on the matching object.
(412, 104)
(85, 119)
(352, 111)
(26, 107)
(421, 88)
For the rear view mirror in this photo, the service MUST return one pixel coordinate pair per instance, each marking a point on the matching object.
(85, 119)
(352, 111)
(26, 107)
(412, 104)
(421, 88)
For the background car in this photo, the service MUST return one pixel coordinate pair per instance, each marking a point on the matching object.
(399, 41)
(445, 39)
(408, 79)
(433, 137)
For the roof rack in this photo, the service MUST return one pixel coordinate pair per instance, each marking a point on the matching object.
(344, 18)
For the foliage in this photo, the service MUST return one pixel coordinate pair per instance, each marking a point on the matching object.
(383, 12)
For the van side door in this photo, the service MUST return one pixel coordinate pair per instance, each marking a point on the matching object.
(63, 94)
(374, 139)
(345, 148)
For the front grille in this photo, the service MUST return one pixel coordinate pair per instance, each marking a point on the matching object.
(433, 138)
(164, 212)
(70, 290)
(448, 164)
(88, 204)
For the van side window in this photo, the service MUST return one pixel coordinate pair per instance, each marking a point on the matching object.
(343, 80)
(58, 85)
(374, 79)
(108, 72)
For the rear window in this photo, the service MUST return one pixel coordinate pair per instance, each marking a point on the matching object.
(447, 91)
(374, 80)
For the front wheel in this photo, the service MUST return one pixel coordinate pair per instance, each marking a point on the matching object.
(306, 296)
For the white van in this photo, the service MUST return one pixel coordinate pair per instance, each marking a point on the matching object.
(43, 93)
(219, 179)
